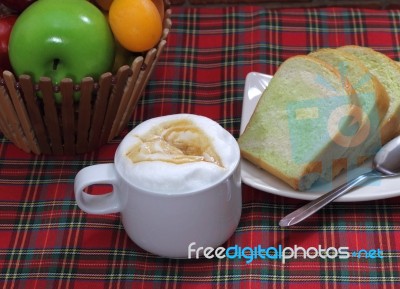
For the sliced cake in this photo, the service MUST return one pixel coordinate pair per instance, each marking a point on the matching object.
(388, 73)
(374, 102)
(296, 130)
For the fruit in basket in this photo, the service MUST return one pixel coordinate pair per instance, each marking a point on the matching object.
(160, 7)
(17, 5)
(6, 24)
(61, 39)
(136, 24)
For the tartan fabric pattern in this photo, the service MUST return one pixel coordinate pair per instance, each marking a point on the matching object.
(46, 241)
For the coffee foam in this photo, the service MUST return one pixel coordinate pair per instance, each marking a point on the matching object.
(176, 154)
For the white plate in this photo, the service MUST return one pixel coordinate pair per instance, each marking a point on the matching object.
(257, 178)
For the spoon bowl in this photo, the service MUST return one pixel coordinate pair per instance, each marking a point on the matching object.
(386, 164)
(387, 159)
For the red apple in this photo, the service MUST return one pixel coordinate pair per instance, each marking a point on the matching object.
(6, 24)
(17, 5)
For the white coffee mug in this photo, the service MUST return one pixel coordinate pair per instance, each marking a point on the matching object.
(166, 222)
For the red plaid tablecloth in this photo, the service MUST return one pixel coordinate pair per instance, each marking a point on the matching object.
(46, 241)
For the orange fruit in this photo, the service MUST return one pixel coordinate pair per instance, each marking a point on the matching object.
(104, 4)
(136, 24)
(160, 7)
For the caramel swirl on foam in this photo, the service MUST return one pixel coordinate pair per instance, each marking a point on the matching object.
(179, 141)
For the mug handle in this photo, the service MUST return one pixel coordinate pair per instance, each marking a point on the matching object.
(97, 204)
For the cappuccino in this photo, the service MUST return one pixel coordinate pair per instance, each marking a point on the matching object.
(176, 154)
(175, 180)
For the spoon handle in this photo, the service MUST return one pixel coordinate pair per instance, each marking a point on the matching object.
(317, 204)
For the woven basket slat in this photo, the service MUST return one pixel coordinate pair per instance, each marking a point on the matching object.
(21, 111)
(4, 126)
(115, 99)
(68, 115)
(4, 121)
(51, 115)
(12, 127)
(12, 122)
(139, 85)
(85, 113)
(127, 94)
(100, 108)
(35, 114)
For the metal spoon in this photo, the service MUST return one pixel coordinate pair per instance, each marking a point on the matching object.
(386, 163)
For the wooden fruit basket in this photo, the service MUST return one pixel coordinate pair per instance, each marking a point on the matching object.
(41, 126)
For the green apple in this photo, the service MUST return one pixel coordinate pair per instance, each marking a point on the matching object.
(61, 39)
